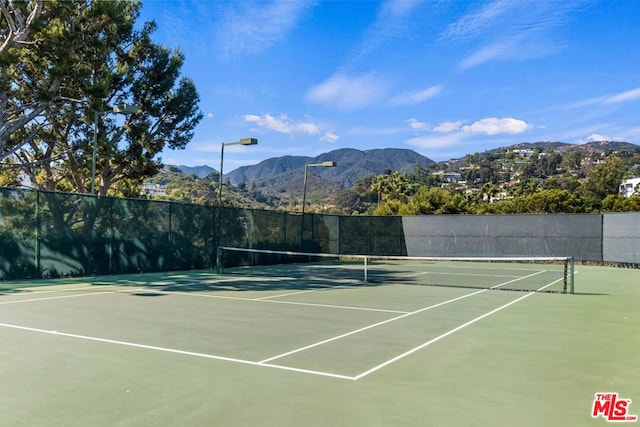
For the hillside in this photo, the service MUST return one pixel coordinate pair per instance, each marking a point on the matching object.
(282, 176)
(355, 164)
(277, 182)
(352, 165)
(280, 179)
(600, 147)
(199, 171)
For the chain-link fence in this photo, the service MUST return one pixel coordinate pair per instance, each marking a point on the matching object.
(47, 234)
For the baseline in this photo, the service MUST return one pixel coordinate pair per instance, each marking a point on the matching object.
(265, 362)
(175, 351)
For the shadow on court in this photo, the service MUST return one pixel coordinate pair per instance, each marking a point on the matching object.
(242, 280)
(301, 278)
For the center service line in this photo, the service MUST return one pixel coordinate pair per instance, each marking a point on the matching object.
(438, 338)
(393, 319)
(297, 350)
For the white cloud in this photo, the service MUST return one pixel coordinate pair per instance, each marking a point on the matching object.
(446, 127)
(630, 95)
(418, 125)
(616, 98)
(349, 93)
(495, 126)
(480, 21)
(597, 137)
(330, 137)
(252, 27)
(453, 135)
(418, 97)
(282, 124)
(507, 29)
(502, 49)
(391, 22)
(439, 141)
(209, 115)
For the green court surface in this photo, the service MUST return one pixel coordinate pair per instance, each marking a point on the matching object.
(202, 349)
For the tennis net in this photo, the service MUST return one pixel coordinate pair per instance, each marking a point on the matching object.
(530, 274)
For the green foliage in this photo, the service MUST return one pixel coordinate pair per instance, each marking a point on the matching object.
(187, 187)
(542, 165)
(620, 203)
(543, 201)
(569, 183)
(9, 175)
(395, 186)
(389, 207)
(603, 180)
(350, 201)
(571, 160)
(556, 194)
(422, 192)
(435, 200)
(483, 169)
(86, 57)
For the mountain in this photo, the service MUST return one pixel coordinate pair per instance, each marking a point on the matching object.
(267, 168)
(279, 181)
(354, 164)
(282, 177)
(199, 171)
(351, 165)
(542, 146)
(602, 147)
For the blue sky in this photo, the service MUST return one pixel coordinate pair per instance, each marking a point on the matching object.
(444, 78)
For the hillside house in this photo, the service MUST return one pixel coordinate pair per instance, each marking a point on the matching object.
(525, 152)
(151, 189)
(630, 186)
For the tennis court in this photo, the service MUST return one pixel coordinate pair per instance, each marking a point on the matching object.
(258, 346)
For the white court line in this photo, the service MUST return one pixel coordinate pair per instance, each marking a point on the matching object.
(297, 350)
(393, 319)
(289, 294)
(26, 290)
(176, 351)
(288, 368)
(264, 362)
(443, 273)
(439, 337)
(452, 331)
(58, 297)
(195, 294)
(340, 307)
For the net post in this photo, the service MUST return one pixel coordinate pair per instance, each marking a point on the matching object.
(571, 275)
(365, 269)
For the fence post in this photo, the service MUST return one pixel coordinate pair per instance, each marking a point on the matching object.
(37, 242)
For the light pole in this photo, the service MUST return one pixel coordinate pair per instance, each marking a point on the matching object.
(327, 164)
(125, 109)
(243, 141)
